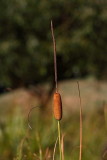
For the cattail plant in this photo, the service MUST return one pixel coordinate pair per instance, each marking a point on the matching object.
(57, 109)
(57, 104)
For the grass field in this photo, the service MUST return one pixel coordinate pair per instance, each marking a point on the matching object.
(19, 142)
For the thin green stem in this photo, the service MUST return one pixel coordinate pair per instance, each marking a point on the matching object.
(59, 139)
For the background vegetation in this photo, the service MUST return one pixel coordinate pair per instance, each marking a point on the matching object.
(26, 54)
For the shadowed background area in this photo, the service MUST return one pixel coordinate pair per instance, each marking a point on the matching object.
(27, 76)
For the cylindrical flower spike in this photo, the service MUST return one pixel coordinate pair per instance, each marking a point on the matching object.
(57, 107)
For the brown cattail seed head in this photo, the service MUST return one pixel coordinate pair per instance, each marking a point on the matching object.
(57, 108)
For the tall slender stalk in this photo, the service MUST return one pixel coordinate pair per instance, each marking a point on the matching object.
(55, 60)
(80, 153)
(59, 139)
(57, 97)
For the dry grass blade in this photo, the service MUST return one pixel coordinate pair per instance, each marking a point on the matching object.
(55, 149)
(47, 154)
(104, 155)
(20, 155)
(62, 146)
(20, 148)
(80, 154)
(35, 155)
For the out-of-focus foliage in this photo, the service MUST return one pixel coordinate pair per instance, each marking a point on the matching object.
(26, 53)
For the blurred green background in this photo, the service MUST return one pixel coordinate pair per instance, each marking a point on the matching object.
(27, 77)
(26, 53)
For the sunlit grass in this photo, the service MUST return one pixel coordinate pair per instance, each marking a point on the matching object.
(17, 141)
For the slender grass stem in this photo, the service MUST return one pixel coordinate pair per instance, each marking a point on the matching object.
(55, 149)
(59, 139)
(55, 60)
(80, 154)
